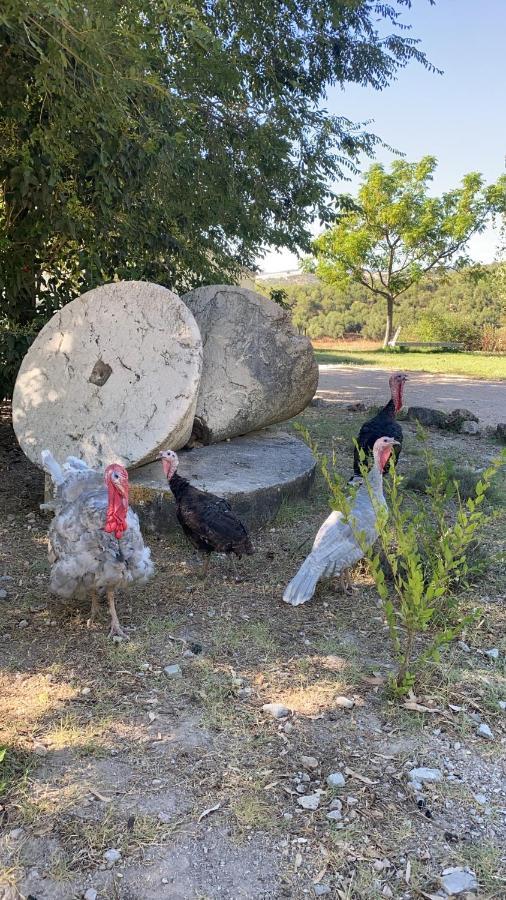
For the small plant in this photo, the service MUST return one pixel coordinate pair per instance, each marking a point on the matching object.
(425, 551)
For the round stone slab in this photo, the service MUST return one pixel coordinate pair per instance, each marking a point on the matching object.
(255, 473)
(112, 377)
(257, 369)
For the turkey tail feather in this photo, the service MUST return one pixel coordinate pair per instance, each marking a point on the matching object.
(52, 467)
(303, 584)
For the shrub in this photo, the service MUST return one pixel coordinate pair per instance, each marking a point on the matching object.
(426, 552)
(435, 326)
(14, 343)
(493, 339)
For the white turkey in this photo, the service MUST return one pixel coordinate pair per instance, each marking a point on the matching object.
(95, 542)
(335, 547)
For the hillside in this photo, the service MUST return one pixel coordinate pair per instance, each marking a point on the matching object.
(319, 310)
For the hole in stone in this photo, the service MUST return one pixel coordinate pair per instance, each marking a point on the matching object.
(100, 373)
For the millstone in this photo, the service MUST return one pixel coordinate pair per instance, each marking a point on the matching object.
(255, 473)
(113, 376)
(257, 369)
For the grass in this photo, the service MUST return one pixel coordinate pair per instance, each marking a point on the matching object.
(475, 365)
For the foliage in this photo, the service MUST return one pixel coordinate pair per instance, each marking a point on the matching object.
(14, 343)
(426, 553)
(170, 141)
(279, 296)
(493, 339)
(477, 301)
(440, 326)
(393, 233)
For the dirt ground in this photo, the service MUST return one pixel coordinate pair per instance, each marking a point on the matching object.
(187, 777)
(485, 399)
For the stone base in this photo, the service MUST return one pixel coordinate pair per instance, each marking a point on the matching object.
(255, 473)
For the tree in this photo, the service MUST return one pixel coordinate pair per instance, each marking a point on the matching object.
(394, 233)
(170, 140)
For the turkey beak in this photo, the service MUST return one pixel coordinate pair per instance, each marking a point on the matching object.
(395, 442)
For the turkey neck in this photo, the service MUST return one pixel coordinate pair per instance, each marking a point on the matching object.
(178, 485)
(375, 478)
(389, 410)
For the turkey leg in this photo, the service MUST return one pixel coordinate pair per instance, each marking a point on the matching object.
(116, 629)
(95, 606)
(205, 567)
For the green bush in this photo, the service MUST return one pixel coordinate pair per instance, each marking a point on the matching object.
(14, 343)
(435, 326)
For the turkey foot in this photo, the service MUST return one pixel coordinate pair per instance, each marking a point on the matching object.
(95, 606)
(345, 583)
(116, 629)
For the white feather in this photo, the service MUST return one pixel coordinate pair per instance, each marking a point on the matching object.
(335, 546)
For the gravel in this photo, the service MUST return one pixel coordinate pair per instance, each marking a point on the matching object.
(423, 774)
(456, 880)
(311, 801)
(112, 856)
(276, 710)
(336, 779)
(90, 894)
(174, 671)
(484, 731)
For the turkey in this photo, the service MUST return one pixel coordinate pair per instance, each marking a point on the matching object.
(207, 520)
(335, 547)
(383, 424)
(95, 543)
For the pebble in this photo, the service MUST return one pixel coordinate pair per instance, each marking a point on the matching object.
(335, 815)
(456, 880)
(344, 702)
(484, 731)
(3, 594)
(85, 691)
(336, 804)
(90, 894)
(336, 779)
(311, 801)
(174, 671)
(423, 774)
(502, 705)
(276, 710)
(23, 624)
(165, 880)
(481, 799)
(387, 891)
(112, 856)
(16, 833)
(492, 654)
(463, 646)
(321, 889)
(309, 762)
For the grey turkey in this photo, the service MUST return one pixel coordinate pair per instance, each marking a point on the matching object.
(383, 424)
(207, 520)
(335, 547)
(95, 542)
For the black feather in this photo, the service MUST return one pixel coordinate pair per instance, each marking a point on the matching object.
(381, 425)
(208, 521)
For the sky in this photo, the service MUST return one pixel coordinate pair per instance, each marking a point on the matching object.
(459, 116)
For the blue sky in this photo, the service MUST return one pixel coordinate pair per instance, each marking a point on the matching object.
(459, 116)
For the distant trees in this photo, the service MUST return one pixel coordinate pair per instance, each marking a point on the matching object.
(474, 301)
(394, 233)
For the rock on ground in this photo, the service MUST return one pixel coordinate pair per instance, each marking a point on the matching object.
(257, 369)
(112, 377)
(456, 880)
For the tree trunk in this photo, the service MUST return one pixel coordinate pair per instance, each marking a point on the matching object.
(389, 329)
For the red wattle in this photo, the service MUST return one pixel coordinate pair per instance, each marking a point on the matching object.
(117, 510)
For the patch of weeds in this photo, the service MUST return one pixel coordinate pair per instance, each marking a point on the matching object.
(248, 637)
(15, 769)
(217, 693)
(252, 810)
(488, 862)
(159, 625)
(85, 842)
(84, 736)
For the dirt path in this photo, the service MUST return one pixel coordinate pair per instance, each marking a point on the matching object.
(486, 399)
